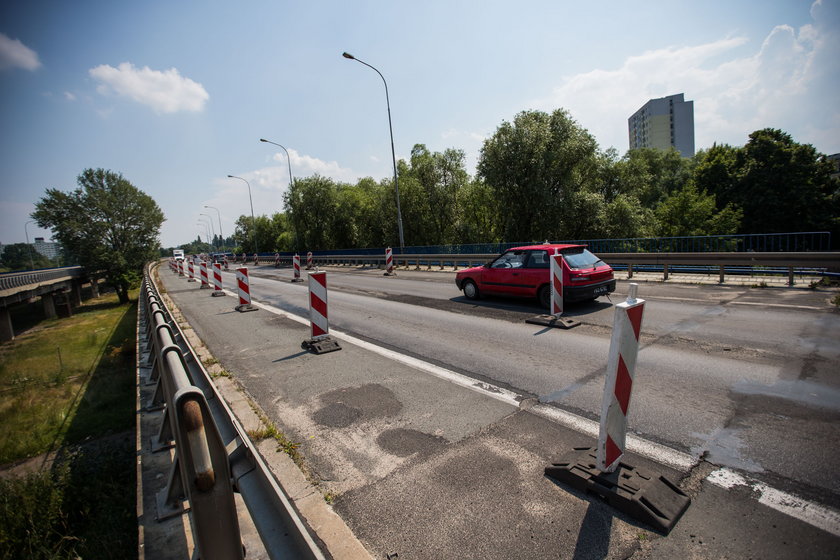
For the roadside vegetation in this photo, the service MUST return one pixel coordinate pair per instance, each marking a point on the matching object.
(67, 409)
(543, 176)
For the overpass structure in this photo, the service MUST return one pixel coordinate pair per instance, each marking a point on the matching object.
(58, 288)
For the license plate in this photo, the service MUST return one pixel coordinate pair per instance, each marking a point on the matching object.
(601, 290)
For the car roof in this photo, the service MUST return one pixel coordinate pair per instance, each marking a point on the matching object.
(546, 246)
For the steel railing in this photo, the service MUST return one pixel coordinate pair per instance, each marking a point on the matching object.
(12, 280)
(790, 264)
(213, 454)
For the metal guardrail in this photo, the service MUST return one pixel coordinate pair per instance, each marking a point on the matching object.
(777, 262)
(12, 280)
(214, 455)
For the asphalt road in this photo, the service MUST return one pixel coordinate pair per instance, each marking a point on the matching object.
(741, 376)
(735, 377)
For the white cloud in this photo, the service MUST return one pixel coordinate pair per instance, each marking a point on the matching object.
(164, 92)
(785, 83)
(14, 54)
(69, 96)
(304, 166)
(269, 184)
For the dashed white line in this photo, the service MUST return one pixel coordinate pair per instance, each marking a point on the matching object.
(813, 514)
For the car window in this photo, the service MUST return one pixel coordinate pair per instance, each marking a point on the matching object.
(511, 259)
(578, 259)
(538, 259)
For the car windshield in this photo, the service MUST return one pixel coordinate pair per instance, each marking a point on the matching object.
(579, 259)
(511, 259)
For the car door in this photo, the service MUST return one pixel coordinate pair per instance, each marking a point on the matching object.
(535, 273)
(505, 276)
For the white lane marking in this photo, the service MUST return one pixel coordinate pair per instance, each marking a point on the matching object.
(654, 451)
(779, 305)
(813, 514)
(487, 389)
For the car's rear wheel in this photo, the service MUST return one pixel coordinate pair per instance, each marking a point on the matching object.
(544, 296)
(471, 290)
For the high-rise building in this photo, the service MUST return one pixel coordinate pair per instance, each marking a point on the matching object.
(47, 248)
(663, 123)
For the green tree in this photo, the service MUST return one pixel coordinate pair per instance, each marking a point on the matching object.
(479, 214)
(691, 212)
(110, 225)
(538, 168)
(311, 206)
(440, 177)
(784, 185)
(23, 256)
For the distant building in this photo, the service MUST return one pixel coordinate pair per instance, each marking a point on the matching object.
(47, 248)
(663, 123)
(835, 159)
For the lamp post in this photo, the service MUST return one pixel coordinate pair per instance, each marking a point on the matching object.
(28, 246)
(393, 154)
(287, 157)
(206, 229)
(253, 220)
(212, 229)
(219, 215)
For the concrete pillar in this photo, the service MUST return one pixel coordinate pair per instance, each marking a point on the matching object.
(6, 331)
(49, 306)
(75, 293)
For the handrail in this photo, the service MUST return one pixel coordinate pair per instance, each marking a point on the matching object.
(214, 450)
(823, 260)
(11, 280)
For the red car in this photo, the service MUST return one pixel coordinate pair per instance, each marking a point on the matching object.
(524, 272)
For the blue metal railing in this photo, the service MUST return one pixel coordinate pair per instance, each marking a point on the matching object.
(757, 242)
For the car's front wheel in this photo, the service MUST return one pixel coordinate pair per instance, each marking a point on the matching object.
(471, 290)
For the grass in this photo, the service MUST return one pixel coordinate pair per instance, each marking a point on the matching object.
(64, 385)
(269, 430)
(46, 396)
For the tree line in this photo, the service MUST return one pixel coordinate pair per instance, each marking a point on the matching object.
(543, 176)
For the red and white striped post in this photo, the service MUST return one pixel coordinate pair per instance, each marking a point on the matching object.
(191, 271)
(556, 284)
(389, 261)
(276, 260)
(621, 366)
(205, 283)
(318, 304)
(309, 260)
(320, 342)
(244, 289)
(296, 266)
(225, 260)
(217, 280)
(256, 259)
(181, 268)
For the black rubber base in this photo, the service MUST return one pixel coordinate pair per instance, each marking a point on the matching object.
(321, 345)
(647, 497)
(553, 321)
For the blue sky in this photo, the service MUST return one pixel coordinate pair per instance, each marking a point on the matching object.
(176, 95)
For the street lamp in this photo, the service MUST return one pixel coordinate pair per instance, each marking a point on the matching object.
(212, 229)
(393, 154)
(26, 231)
(253, 220)
(206, 229)
(287, 158)
(222, 235)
